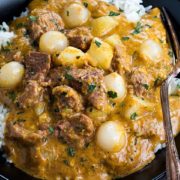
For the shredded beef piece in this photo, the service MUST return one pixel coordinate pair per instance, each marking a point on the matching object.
(17, 132)
(67, 101)
(56, 77)
(32, 94)
(140, 80)
(43, 21)
(80, 37)
(88, 81)
(84, 79)
(76, 131)
(37, 66)
(121, 60)
(98, 98)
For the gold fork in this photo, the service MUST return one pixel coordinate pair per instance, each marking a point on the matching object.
(172, 158)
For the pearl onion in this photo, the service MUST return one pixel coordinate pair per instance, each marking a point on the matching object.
(111, 136)
(53, 42)
(75, 15)
(11, 74)
(114, 82)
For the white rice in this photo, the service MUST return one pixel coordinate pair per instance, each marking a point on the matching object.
(3, 115)
(174, 86)
(133, 9)
(5, 35)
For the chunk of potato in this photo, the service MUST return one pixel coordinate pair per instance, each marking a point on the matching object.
(135, 108)
(113, 40)
(115, 84)
(151, 51)
(100, 53)
(71, 56)
(103, 25)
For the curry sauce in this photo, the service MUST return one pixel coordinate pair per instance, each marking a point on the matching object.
(88, 103)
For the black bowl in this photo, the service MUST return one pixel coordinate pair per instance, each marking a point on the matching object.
(156, 169)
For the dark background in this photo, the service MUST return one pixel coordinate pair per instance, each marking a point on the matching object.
(155, 170)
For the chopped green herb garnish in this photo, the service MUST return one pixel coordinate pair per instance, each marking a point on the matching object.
(122, 104)
(178, 86)
(155, 17)
(85, 4)
(71, 151)
(133, 116)
(157, 81)
(146, 86)
(125, 38)
(19, 121)
(20, 112)
(161, 41)
(69, 77)
(33, 18)
(112, 13)
(170, 53)
(20, 25)
(147, 25)
(12, 95)
(66, 162)
(112, 94)
(67, 12)
(138, 28)
(91, 87)
(138, 11)
(98, 44)
(51, 130)
(121, 10)
(5, 49)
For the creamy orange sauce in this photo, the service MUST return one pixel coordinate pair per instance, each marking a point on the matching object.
(143, 124)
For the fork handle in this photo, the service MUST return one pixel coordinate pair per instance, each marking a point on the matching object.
(172, 159)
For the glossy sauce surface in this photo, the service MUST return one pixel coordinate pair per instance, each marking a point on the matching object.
(138, 111)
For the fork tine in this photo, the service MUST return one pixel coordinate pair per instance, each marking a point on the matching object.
(172, 34)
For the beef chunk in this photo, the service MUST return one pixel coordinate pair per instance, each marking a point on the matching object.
(56, 77)
(32, 94)
(121, 60)
(90, 82)
(140, 80)
(37, 66)
(82, 78)
(76, 131)
(43, 21)
(98, 98)
(17, 132)
(80, 37)
(67, 101)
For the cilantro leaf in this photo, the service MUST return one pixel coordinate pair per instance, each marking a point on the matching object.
(112, 94)
(133, 116)
(98, 44)
(112, 13)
